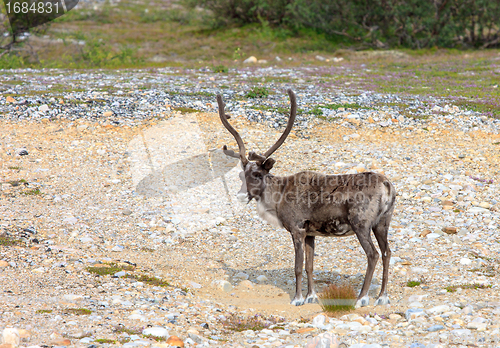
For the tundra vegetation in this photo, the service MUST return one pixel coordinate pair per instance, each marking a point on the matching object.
(218, 32)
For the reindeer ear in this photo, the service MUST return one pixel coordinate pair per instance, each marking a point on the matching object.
(268, 164)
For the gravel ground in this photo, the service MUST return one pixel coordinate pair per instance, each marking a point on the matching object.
(110, 191)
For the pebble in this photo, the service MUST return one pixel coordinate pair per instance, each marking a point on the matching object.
(250, 60)
(262, 278)
(22, 152)
(156, 332)
(11, 336)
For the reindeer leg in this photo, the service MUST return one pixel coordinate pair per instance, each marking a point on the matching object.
(363, 233)
(298, 237)
(311, 294)
(380, 232)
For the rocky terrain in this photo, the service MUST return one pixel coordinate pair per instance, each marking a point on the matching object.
(119, 224)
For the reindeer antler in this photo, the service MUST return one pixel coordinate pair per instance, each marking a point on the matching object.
(291, 120)
(234, 133)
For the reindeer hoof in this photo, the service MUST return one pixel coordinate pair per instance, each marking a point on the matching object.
(382, 300)
(311, 299)
(362, 302)
(297, 301)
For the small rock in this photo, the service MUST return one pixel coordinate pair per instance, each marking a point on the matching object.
(439, 309)
(477, 210)
(419, 270)
(241, 275)
(120, 274)
(11, 336)
(196, 338)
(194, 285)
(3, 264)
(126, 212)
(320, 58)
(417, 345)
(262, 278)
(9, 99)
(465, 261)
(175, 341)
(22, 152)
(319, 321)
(137, 316)
(425, 233)
(224, 285)
(467, 310)
(394, 316)
(450, 230)
(484, 205)
(43, 108)
(413, 313)
(108, 113)
(246, 284)
(156, 331)
(61, 342)
(250, 60)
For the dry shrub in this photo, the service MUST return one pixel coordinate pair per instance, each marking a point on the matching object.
(338, 297)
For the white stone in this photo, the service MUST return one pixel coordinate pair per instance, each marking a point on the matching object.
(262, 278)
(465, 261)
(477, 210)
(11, 336)
(439, 309)
(137, 317)
(485, 205)
(43, 108)
(73, 298)
(477, 326)
(156, 331)
(224, 285)
(250, 60)
(195, 285)
(419, 270)
(319, 321)
(241, 275)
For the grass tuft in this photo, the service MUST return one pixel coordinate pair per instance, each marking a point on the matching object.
(258, 92)
(185, 110)
(475, 286)
(129, 331)
(105, 341)
(9, 241)
(336, 298)
(220, 69)
(109, 268)
(413, 283)
(256, 322)
(155, 338)
(43, 311)
(78, 311)
(153, 281)
(32, 192)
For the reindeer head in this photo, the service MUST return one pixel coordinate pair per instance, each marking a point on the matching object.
(256, 168)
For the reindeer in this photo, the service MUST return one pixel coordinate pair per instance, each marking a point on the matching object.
(309, 204)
